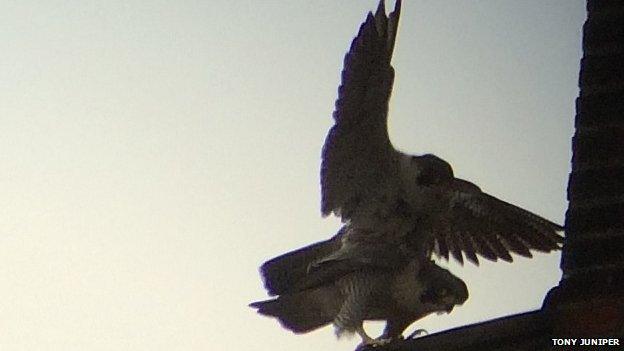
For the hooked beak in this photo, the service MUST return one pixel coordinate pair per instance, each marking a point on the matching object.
(446, 309)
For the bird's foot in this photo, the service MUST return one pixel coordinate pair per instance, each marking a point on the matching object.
(372, 343)
(368, 342)
(418, 333)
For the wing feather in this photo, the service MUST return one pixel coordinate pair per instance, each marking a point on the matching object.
(289, 272)
(486, 250)
(456, 246)
(358, 160)
(489, 227)
(470, 249)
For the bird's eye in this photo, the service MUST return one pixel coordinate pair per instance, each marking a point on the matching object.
(442, 292)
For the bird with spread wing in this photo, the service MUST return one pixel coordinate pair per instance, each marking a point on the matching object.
(413, 203)
(398, 210)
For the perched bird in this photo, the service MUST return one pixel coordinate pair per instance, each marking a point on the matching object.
(412, 203)
(398, 210)
(310, 300)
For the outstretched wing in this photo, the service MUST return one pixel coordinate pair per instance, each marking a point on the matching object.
(359, 163)
(480, 224)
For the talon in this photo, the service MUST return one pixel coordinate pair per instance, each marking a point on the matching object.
(373, 343)
(380, 341)
(418, 333)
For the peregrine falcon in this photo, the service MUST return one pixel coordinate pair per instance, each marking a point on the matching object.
(400, 295)
(412, 202)
(398, 210)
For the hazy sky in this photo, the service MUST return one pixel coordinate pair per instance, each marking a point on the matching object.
(155, 153)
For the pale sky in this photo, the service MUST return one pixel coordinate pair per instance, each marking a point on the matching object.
(155, 153)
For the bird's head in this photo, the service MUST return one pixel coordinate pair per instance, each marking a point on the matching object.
(443, 289)
(431, 170)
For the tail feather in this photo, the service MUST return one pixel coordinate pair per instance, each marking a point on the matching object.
(286, 273)
(303, 311)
